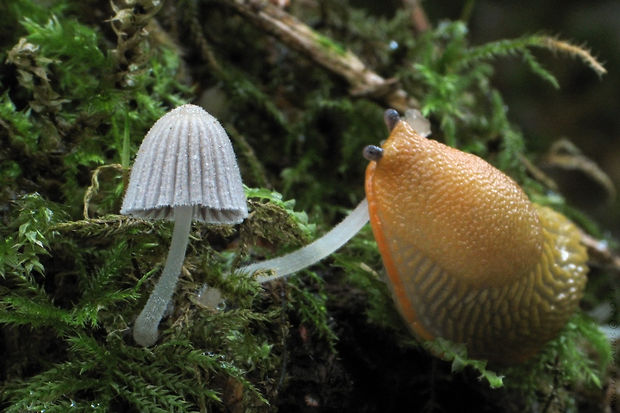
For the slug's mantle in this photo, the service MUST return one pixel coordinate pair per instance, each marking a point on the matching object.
(468, 256)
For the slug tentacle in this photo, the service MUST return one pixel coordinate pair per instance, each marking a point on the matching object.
(468, 256)
(373, 153)
(391, 118)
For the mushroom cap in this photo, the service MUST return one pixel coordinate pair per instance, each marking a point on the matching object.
(186, 159)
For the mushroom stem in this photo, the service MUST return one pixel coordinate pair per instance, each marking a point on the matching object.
(611, 332)
(316, 251)
(145, 328)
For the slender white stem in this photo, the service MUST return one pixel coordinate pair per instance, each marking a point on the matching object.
(145, 328)
(316, 251)
(612, 333)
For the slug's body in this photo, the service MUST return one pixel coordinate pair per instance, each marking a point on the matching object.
(468, 256)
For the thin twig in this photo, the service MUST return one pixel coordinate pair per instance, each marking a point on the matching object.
(256, 167)
(110, 225)
(190, 15)
(537, 173)
(418, 15)
(94, 184)
(599, 253)
(299, 36)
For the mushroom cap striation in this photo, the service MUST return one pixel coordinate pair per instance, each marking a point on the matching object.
(186, 159)
(468, 256)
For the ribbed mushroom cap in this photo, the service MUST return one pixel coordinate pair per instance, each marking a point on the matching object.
(186, 159)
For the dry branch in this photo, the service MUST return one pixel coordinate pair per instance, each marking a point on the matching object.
(299, 36)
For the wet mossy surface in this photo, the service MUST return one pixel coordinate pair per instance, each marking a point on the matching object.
(81, 84)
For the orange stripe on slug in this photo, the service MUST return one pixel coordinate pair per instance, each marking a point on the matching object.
(398, 289)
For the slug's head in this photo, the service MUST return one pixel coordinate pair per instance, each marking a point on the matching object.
(469, 218)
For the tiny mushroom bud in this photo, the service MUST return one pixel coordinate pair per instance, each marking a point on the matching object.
(185, 170)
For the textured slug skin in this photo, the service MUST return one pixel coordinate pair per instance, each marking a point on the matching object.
(468, 256)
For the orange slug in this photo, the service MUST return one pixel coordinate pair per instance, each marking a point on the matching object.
(469, 258)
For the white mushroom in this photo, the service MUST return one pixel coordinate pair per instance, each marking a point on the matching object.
(185, 170)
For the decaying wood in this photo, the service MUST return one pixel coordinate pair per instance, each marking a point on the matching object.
(299, 36)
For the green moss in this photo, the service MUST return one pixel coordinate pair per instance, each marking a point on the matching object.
(73, 112)
(64, 114)
(329, 44)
